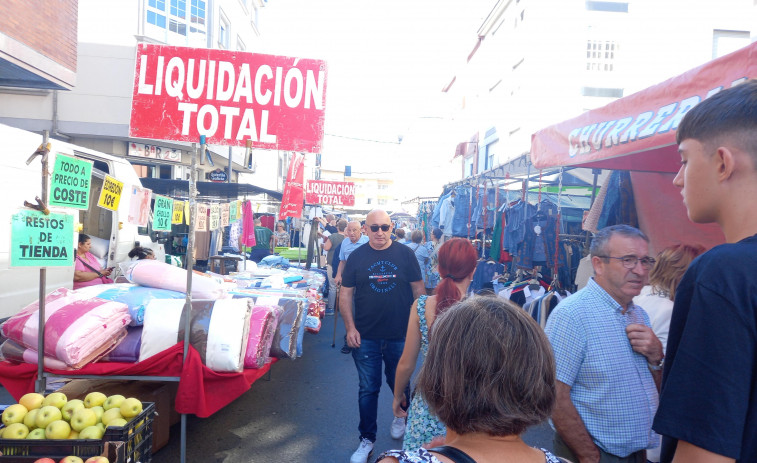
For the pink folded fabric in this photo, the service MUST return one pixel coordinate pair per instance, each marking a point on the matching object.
(77, 327)
(263, 323)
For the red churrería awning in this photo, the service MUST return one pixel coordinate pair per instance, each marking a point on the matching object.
(637, 132)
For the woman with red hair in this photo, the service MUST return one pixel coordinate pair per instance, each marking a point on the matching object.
(456, 264)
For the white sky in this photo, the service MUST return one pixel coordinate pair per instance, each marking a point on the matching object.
(387, 63)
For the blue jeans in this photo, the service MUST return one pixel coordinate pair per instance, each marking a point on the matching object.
(368, 358)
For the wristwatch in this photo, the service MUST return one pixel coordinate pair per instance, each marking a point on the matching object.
(658, 366)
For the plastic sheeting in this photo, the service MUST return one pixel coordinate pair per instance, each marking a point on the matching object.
(156, 274)
(78, 329)
(263, 322)
(134, 296)
(218, 330)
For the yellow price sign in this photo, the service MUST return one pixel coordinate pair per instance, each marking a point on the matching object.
(178, 212)
(110, 195)
(186, 212)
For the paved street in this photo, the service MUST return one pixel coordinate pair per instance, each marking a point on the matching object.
(307, 412)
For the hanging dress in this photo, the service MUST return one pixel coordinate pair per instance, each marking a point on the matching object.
(422, 426)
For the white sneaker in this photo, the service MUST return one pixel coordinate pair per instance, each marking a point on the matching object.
(363, 452)
(398, 428)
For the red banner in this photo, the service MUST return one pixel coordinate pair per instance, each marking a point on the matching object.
(230, 97)
(642, 124)
(291, 202)
(335, 193)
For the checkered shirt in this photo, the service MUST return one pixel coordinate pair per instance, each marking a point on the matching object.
(611, 386)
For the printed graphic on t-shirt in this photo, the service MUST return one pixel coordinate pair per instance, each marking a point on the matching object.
(382, 276)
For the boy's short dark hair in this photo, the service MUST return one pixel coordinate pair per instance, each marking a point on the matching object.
(729, 111)
(489, 368)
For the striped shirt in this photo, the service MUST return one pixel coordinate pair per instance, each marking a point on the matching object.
(611, 385)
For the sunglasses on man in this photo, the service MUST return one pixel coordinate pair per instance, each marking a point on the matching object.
(384, 228)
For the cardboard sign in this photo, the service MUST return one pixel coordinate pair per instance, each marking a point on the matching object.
(323, 192)
(70, 183)
(139, 206)
(202, 218)
(215, 216)
(291, 201)
(161, 217)
(39, 240)
(233, 211)
(180, 93)
(178, 213)
(225, 214)
(110, 195)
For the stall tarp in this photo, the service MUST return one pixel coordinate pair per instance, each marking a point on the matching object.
(642, 124)
(663, 216)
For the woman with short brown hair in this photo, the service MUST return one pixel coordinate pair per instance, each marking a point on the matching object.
(488, 376)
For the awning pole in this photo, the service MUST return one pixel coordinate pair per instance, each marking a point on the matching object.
(41, 383)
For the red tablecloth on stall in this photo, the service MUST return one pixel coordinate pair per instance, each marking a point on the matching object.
(202, 392)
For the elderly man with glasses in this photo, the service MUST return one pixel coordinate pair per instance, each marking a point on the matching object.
(609, 362)
(384, 278)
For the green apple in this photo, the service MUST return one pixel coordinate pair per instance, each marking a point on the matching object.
(16, 431)
(113, 401)
(47, 415)
(94, 399)
(131, 407)
(71, 407)
(83, 418)
(91, 432)
(73, 435)
(117, 422)
(101, 426)
(58, 429)
(29, 419)
(57, 399)
(32, 400)
(37, 433)
(111, 414)
(98, 411)
(14, 414)
(72, 459)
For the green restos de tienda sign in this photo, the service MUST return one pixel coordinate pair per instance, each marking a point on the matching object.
(70, 183)
(39, 240)
(161, 218)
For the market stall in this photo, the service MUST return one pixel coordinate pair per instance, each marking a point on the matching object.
(637, 133)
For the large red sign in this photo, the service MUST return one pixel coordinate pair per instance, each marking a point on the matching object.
(291, 201)
(335, 193)
(230, 97)
(643, 124)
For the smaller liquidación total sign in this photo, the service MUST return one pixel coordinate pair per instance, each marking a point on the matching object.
(332, 193)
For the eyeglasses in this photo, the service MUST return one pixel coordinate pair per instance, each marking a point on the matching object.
(631, 261)
(384, 228)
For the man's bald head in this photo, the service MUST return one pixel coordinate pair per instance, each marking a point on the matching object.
(380, 238)
(354, 231)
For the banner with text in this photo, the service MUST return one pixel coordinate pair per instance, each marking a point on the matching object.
(291, 201)
(230, 97)
(334, 193)
(110, 195)
(70, 182)
(39, 240)
(162, 213)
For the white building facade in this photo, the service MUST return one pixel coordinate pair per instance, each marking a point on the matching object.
(539, 62)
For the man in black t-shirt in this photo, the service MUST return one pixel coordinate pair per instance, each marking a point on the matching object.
(708, 399)
(384, 278)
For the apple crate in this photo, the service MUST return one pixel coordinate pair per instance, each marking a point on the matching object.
(136, 437)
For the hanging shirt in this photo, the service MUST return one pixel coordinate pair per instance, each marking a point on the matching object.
(248, 225)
